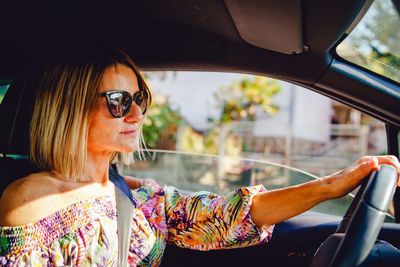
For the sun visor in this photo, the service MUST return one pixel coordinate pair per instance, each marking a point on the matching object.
(274, 25)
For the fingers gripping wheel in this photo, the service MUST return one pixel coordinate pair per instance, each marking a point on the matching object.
(354, 247)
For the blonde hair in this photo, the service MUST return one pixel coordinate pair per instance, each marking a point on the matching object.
(67, 95)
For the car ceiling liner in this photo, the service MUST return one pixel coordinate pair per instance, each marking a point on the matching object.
(257, 22)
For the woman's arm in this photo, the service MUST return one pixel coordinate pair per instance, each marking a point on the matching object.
(272, 207)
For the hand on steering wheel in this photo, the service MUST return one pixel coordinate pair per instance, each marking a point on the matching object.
(362, 229)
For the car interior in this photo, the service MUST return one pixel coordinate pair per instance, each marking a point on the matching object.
(294, 41)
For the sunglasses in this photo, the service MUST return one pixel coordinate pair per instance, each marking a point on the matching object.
(119, 103)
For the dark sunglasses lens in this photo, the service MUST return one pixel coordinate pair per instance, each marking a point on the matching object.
(141, 100)
(119, 103)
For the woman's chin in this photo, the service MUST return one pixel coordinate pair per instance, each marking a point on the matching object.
(132, 147)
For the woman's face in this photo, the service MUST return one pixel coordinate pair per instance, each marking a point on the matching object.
(106, 133)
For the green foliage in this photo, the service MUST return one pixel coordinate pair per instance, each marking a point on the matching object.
(160, 117)
(383, 63)
(377, 39)
(379, 28)
(240, 100)
(193, 141)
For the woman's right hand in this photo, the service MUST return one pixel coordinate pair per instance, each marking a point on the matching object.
(275, 206)
(343, 182)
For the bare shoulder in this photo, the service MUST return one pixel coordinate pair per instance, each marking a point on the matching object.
(26, 189)
(23, 198)
(40, 195)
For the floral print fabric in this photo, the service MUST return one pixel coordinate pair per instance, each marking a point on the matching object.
(85, 233)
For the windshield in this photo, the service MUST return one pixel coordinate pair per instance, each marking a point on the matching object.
(221, 131)
(375, 42)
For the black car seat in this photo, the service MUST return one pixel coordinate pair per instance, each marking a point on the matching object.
(15, 115)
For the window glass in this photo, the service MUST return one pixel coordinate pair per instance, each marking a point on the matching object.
(375, 42)
(236, 130)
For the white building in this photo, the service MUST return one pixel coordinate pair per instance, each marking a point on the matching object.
(308, 114)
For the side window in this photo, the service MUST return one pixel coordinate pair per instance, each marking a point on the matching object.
(258, 118)
(220, 131)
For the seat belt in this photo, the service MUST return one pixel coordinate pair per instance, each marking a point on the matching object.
(125, 209)
(119, 182)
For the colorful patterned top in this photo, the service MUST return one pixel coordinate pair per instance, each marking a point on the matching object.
(85, 233)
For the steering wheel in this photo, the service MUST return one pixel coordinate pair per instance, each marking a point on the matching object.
(356, 234)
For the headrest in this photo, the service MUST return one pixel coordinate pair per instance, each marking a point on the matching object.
(16, 112)
(13, 169)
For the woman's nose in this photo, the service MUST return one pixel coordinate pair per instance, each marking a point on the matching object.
(134, 114)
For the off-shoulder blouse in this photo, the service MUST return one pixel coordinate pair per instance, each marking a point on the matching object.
(85, 233)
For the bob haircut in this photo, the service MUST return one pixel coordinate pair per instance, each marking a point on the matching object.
(67, 93)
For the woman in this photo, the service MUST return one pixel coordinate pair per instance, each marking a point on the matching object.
(90, 108)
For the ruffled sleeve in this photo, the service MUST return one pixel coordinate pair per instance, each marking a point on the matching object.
(206, 221)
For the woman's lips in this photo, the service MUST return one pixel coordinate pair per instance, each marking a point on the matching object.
(130, 132)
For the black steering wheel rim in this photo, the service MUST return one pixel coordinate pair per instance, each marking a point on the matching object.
(361, 229)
